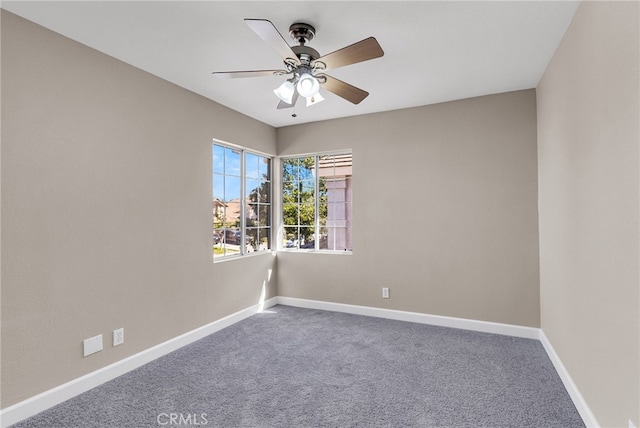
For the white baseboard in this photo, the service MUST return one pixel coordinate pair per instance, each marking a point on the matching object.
(581, 405)
(442, 321)
(59, 394)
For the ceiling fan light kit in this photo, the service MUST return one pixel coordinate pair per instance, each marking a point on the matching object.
(307, 85)
(285, 91)
(305, 65)
(317, 98)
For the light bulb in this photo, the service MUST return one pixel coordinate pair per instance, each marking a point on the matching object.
(308, 85)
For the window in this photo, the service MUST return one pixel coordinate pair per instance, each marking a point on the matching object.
(241, 202)
(316, 202)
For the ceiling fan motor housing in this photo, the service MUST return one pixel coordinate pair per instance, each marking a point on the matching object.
(303, 34)
(306, 54)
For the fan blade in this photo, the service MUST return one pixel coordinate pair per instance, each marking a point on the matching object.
(344, 90)
(282, 104)
(364, 50)
(251, 73)
(268, 32)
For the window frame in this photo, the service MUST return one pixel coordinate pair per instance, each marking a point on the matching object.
(280, 186)
(243, 202)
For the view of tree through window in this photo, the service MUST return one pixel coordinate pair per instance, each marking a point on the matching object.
(241, 202)
(316, 202)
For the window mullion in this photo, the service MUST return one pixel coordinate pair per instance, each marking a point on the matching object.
(243, 225)
(316, 192)
(299, 223)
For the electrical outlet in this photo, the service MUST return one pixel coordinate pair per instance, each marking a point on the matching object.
(385, 293)
(118, 337)
(92, 345)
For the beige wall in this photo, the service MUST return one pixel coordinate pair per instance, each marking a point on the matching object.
(588, 183)
(106, 209)
(445, 211)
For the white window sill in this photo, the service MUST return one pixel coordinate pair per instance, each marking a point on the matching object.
(300, 250)
(244, 256)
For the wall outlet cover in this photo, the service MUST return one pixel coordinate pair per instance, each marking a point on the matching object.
(92, 345)
(118, 336)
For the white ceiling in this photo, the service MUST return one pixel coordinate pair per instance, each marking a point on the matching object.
(435, 51)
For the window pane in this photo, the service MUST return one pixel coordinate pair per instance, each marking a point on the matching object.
(258, 239)
(219, 205)
(290, 214)
(265, 192)
(307, 238)
(322, 189)
(258, 191)
(337, 215)
(307, 191)
(232, 201)
(218, 158)
(252, 190)
(290, 237)
(251, 215)
(252, 166)
(323, 239)
(348, 192)
(231, 188)
(263, 240)
(218, 213)
(232, 162)
(322, 214)
(307, 168)
(227, 243)
(218, 187)
(290, 192)
(290, 169)
(307, 214)
(218, 244)
(232, 238)
(264, 235)
(342, 238)
(264, 168)
(335, 238)
(264, 215)
(251, 239)
(336, 190)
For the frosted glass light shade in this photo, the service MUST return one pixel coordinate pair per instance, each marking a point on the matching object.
(317, 98)
(285, 92)
(308, 85)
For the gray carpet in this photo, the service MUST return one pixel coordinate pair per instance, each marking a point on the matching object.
(292, 367)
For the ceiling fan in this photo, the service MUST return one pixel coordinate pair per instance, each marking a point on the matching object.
(306, 67)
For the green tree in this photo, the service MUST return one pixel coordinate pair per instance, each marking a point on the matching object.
(299, 199)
